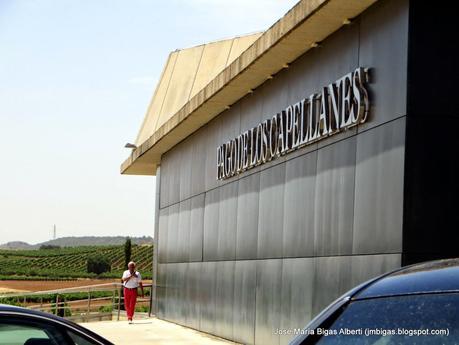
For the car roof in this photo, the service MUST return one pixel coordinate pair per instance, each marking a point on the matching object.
(19, 311)
(429, 277)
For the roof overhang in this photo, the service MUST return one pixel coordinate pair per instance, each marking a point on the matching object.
(308, 22)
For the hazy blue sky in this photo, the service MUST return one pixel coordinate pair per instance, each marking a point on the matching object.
(76, 78)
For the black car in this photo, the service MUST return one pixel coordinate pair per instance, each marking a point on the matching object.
(417, 304)
(20, 326)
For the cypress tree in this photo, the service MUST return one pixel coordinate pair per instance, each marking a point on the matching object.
(127, 251)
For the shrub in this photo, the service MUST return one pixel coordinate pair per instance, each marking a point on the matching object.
(98, 264)
(142, 309)
(106, 309)
(49, 246)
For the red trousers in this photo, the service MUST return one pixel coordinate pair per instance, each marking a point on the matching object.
(130, 298)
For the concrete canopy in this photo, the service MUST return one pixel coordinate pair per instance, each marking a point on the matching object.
(199, 83)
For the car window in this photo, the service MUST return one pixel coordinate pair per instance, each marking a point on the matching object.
(11, 334)
(417, 319)
(23, 331)
(79, 340)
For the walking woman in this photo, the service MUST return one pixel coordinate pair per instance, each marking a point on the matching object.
(131, 282)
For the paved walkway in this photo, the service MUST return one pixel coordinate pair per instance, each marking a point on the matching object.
(151, 331)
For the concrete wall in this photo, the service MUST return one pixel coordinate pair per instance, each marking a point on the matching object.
(271, 247)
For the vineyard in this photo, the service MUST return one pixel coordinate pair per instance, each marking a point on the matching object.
(70, 262)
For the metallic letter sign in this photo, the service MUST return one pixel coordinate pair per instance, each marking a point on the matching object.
(341, 105)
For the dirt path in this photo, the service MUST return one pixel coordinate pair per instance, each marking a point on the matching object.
(6, 290)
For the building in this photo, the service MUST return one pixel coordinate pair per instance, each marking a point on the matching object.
(296, 163)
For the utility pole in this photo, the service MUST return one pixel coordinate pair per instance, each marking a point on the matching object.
(54, 232)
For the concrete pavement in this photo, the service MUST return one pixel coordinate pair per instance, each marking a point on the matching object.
(151, 331)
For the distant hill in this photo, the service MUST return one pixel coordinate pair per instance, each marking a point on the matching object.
(16, 245)
(78, 241)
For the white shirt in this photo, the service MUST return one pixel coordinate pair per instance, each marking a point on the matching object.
(134, 281)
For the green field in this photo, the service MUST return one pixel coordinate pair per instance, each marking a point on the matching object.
(70, 262)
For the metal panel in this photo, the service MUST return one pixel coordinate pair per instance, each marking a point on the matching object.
(245, 282)
(271, 202)
(268, 303)
(298, 226)
(207, 290)
(247, 217)
(330, 66)
(192, 295)
(198, 162)
(226, 247)
(225, 127)
(163, 234)
(378, 211)
(196, 227)
(230, 128)
(298, 277)
(153, 297)
(182, 304)
(183, 237)
(275, 94)
(174, 176)
(332, 279)
(172, 233)
(172, 281)
(365, 267)
(185, 150)
(174, 293)
(251, 115)
(211, 215)
(321, 66)
(169, 270)
(164, 182)
(224, 299)
(161, 290)
(210, 135)
(251, 110)
(165, 281)
(334, 198)
(384, 47)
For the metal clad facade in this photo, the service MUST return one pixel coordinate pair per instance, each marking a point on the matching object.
(269, 248)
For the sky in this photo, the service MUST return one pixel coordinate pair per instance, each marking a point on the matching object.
(76, 78)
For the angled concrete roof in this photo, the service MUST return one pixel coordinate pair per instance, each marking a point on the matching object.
(185, 108)
(186, 72)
